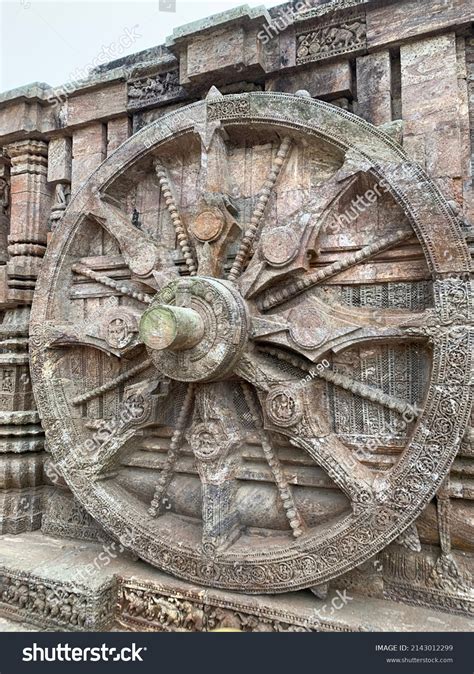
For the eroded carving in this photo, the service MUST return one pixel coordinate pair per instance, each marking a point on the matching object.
(154, 89)
(331, 40)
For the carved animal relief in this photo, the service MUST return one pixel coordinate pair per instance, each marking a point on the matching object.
(332, 39)
(248, 381)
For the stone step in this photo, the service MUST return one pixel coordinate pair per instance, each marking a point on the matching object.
(65, 585)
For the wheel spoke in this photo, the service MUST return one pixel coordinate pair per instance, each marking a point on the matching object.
(140, 252)
(370, 393)
(213, 224)
(166, 475)
(313, 328)
(284, 490)
(283, 249)
(326, 450)
(181, 233)
(255, 222)
(112, 384)
(275, 297)
(214, 437)
(113, 331)
(110, 283)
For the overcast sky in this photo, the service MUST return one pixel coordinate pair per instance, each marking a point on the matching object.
(57, 42)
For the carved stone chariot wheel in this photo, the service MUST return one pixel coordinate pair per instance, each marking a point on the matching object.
(249, 342)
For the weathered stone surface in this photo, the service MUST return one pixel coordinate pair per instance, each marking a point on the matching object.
(97, 104)
(24, 112)
(21, 510)
(64, 516)
(88, 152)
(59, 160)
(20, 471)
(328, 81)
(467, 91)
(430, 102)
(223, 48)
(374, 88)
(299, 424)
(118, 130)
(395, 22)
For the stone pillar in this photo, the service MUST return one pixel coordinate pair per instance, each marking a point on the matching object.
(30, 206)
(59, 176)
(21, 435)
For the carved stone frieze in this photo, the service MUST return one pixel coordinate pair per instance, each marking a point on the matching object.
(332, 39)
(147, 607)
(154, 90)
(59, 605)
(224, 108)
(64, 517)
(423, 580)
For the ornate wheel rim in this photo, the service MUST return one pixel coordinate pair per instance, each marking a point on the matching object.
(382, 505)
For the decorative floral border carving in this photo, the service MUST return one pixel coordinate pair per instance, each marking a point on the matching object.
(27, 597)
(146, 607)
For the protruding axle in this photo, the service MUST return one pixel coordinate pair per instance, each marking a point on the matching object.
(169, 327)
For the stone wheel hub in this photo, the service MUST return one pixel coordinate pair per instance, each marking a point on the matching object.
(196, 329)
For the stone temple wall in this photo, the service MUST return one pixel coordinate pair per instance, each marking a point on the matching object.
(405, 67)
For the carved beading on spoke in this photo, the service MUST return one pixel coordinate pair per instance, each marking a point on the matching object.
(172, 455)
(179, 227)
(345, 471)
(370, 393)
(278, 296)
(255, 221)
(358, 388)
(113, 383)
(110, 283)
(291, 511)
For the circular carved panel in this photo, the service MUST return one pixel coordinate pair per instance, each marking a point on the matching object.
(262, 385)
(208, 225)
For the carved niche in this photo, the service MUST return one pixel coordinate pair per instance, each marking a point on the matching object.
(254, 390)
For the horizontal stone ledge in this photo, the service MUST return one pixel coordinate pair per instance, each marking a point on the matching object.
(93, 595)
